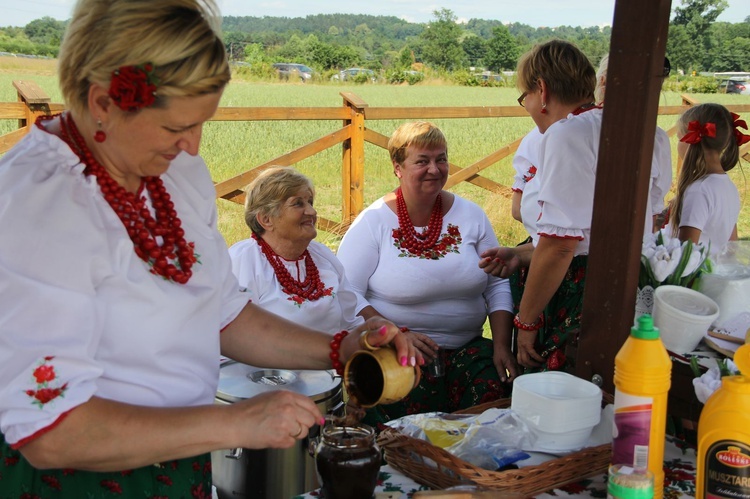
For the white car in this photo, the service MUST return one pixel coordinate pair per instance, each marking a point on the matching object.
(350, 73)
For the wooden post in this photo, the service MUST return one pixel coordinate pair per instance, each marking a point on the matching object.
(634, 79)
(36, 101)
(353, 161)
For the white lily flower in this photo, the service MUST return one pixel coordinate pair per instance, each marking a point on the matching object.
(696, 258)
(663, 262)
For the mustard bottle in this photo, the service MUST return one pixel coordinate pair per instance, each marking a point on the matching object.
(724, 436)
(642, 380)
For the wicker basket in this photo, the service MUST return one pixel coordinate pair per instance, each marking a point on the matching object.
(438, 469)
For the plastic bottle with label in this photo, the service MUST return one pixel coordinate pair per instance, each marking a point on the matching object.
(642, 380)
(724, 436)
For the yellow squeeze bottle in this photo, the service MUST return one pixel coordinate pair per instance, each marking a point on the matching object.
(724, 436)
(642, 380)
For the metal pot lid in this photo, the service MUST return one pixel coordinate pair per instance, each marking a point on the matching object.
(239, 381)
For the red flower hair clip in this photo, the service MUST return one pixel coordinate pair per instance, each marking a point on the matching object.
(696, 132)
(738, 123)
(133, 87)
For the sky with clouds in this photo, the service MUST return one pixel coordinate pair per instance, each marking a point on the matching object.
(532, 12)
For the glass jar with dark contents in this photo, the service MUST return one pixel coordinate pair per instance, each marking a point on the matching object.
(347, 462)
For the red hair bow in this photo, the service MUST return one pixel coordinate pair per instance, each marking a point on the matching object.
(696, 132)
(738, 123)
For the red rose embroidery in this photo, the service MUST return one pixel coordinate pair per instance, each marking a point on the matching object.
(133, 87)
(556, 360)
(52, 481)
(111, 485)
(164, 479)
(44, 393)
(198, 493)
(44, 373)
(448, 243)
(530, 174)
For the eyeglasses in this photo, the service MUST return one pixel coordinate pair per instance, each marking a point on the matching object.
(522, 98)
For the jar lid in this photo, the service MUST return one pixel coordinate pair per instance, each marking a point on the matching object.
(238, 381)
(349, 437)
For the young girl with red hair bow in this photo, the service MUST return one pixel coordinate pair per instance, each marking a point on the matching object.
(706, 206)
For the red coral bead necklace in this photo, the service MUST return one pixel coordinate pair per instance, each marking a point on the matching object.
(311, 289)
(173, 257)
(410, 239)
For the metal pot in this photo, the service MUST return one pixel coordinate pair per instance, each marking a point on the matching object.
(272, 473)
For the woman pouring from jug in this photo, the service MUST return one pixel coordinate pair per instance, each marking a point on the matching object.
(117, 286)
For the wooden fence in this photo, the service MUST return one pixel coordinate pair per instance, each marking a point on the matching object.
(354, 115)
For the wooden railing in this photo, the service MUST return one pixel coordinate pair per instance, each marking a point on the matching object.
(354, 114)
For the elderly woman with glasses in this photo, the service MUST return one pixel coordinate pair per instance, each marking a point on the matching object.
(548, 274)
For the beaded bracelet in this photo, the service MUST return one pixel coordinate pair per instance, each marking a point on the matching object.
(525, 326)
(334, 355)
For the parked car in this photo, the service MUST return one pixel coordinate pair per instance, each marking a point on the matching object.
(734, 86)
(357, 74)
(488, 76)
(287, 70)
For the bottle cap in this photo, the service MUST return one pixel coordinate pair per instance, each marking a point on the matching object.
(626, 482)
(645, 329)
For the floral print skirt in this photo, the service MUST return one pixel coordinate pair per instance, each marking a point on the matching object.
(562, 316)
(470, 379)
(180, 479)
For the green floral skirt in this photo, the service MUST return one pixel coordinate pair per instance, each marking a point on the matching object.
(562, 316)
(470, 379)
(181, 479)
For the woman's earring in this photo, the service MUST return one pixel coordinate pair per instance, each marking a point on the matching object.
(544, 108)
(99, 136)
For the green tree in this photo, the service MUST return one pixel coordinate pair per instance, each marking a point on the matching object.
(680, 49)
(441, 45)
(46, 30)
(474, 48)
(405, 58)
(502, 50)
(235, 43)
(734, 55)
(294, 49)
(697, 16)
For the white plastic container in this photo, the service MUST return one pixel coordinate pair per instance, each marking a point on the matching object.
(559, 408)
(683, 316)
(729, 286)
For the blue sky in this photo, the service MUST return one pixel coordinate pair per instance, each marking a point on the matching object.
(532, 12)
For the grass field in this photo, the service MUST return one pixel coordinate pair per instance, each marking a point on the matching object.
(233, 147)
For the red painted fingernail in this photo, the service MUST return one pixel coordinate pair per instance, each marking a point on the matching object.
(383, 330)
(421, 361)
(403, 361)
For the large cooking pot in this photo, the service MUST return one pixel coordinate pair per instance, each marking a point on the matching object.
(272, 473)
